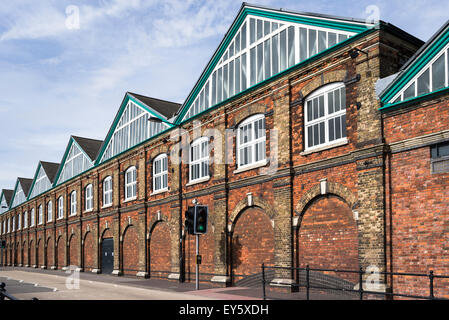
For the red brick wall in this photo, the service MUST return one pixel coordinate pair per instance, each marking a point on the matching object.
(160, 251)
(73, 250)
(328, 237)
(252, 243)
(60, 246)
(40, 253)
(32, 255)
(89, 252)
(130, 251)
(50, 251)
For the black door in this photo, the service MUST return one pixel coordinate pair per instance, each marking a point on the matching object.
(107, 255)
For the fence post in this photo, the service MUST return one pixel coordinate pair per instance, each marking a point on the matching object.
(361, 283)
(263, 281)
(431, 285)
(307, 282)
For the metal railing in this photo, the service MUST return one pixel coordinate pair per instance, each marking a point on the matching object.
(4, 294)
(359, 291)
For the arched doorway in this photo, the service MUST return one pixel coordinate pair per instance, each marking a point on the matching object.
(73, 250)
(32, 253)
(252, 244)
(160, 251)
(50, 253)
(130, 249)
(328, 237)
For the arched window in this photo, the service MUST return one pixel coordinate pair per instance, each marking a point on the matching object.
(9, 225)
(39, 217)
(325, 116)
(19, 221)
(251, 142)
(107, 191)
(160, 173)
(199, 159)
(49, 211)
(13, 223)
(131, 183)
(60, 207)
(25, 219)
(89, 198)
(73, 203)
(33, 218)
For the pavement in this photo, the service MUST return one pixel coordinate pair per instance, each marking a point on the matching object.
(27, 283)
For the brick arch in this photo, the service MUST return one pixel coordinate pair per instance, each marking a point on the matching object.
(73, 253)
(154, 221)
(104, 232)
(130, 249)
(160, 248)
(88, 251)
(327, 78)
(258, 108)
(333, 188)
(25, 253)
(49, 252)
(242, 205)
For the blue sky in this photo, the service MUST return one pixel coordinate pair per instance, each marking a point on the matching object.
(56, 81)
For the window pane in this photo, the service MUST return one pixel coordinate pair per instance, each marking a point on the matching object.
(315, 108)
(410, 91)
(237, 43)
(291, 46)
(342, 37)
(331, 130)
(220, 82)
(243, 36)
(438, 73)
(330, 102)
(343, 125)
(267, 59)
(266, 28)
(244, 71)
(424, 83)
(322, 135)
(237, 75)
(321, 41)
(321, 105)
(343, 98)
(312, 42)
(231, 78)
(225, 82)
(337, 100)
(259, 63)
(332, 39)
(274, 53)
(259, 29)
(337, 128)
(253, 66)
(315, 134)
(283, 50)
(302, 44)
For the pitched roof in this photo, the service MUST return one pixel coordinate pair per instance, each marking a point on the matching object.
(90, 146)
(406, 72)
(165, 108)
(51, 169)
(26, 184)
(8, 195)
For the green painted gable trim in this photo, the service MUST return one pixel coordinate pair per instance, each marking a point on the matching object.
(415, 100)
(416, 67)
(119, 116)
(357, 28)
(281, 74)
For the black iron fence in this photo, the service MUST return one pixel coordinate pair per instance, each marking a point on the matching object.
(5, 295)
(321, 280)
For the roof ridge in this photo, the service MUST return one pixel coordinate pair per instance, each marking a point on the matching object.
(138, 94)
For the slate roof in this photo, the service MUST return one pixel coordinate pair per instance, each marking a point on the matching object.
(166, 108)
(26, 185)
(90, 146)
(51, 169)
(8, 195)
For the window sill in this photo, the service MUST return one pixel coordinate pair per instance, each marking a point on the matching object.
(90, 210)
(72, 214)
(201, 180)
(60, 218)
(339, 143)
(106, 206)
(159, 192)
(251, 166)
(130, 199)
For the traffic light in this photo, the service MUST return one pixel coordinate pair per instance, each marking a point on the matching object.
(200, 223)
(190, 218)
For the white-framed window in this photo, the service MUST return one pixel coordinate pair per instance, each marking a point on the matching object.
(19, 221)
(40, 214)
(13, 223)
(199, 159)
(251, 141)
(9, 225)
(160, 173)
(73, 203)
(49, 211)
(89, 198)
(131, 183)
(32, 218)
(325, 116)
(107, 191)
(60, 207)
(434, 76)
(25, 219)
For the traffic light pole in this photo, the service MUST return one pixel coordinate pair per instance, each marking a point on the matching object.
(197, 271)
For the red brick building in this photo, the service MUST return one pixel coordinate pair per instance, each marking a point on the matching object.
(285, 139)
